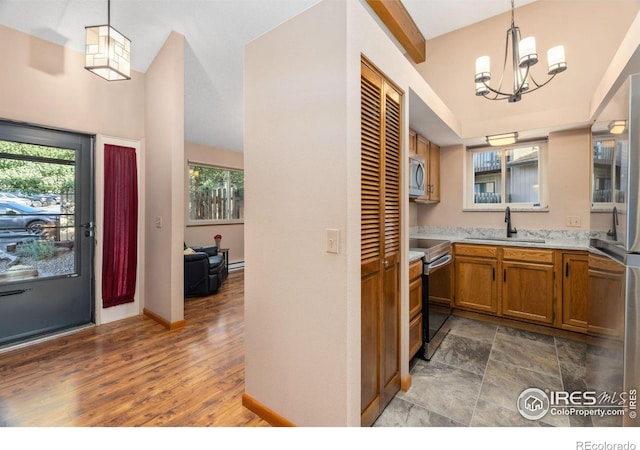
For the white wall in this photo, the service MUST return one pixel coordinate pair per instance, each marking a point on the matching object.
(164, 175)
(46, 84)
(295, 178)
(302, 175)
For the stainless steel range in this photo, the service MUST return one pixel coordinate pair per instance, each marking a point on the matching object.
(437, 255)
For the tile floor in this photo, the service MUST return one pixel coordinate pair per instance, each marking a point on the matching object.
(480, 369)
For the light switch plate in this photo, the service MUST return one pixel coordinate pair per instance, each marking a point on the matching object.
(573, 221)
(333, 241)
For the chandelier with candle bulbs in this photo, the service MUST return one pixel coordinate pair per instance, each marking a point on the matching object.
(523, 57)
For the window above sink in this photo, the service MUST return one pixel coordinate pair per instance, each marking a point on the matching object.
(511, 176)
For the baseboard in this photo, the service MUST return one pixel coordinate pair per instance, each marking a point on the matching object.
(405, 383)
(265, 413)
(162, 321)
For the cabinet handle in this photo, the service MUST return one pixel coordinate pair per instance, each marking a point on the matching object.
(504, 275)
(566, 270)
(493, 273)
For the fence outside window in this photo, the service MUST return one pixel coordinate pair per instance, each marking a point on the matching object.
(215, 193)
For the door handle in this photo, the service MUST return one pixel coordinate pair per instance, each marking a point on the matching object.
(88, 228)
(14, 292)
(385, 263)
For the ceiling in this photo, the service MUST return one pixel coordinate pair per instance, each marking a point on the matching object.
(216, 32)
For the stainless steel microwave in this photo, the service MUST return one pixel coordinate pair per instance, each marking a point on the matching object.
(416, 176)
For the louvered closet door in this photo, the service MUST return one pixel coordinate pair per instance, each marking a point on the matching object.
(380, 243)
(391, 258)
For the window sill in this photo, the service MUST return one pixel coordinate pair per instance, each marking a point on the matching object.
(503, 207)
(208, 223)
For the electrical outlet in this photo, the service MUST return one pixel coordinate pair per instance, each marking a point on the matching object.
(573, 221)
(333, 241)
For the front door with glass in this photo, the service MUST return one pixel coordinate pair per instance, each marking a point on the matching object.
(46, 231)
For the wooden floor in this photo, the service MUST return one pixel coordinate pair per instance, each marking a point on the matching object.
(134, 372)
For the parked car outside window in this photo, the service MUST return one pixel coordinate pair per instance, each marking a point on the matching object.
(15, 217)
(38, 200)
(13, 198)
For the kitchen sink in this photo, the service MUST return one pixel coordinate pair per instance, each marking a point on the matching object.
(506, 239)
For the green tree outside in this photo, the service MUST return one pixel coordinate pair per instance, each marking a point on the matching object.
(36, 176)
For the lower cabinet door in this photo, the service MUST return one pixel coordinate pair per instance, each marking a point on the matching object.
(476, 284)
(415, 335)
(527, 291)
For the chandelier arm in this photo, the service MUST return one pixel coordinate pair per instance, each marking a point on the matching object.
(505, 95)
(495, 91)
(496, 97)
(486, 94)
(538, 86)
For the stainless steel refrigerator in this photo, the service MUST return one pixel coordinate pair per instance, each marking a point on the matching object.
(613, 307)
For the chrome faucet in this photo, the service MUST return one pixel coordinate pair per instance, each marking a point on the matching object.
(614, 232)
(507, 219)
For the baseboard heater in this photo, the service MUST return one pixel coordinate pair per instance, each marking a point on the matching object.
(237, 265)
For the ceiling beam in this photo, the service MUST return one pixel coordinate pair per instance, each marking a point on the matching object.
(396, 18)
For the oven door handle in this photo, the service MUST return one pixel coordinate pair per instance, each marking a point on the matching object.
(441, 262)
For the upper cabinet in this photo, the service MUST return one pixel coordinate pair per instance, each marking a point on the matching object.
(421, 146)
(413, 142)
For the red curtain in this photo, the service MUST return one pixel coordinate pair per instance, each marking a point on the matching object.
(120, 249)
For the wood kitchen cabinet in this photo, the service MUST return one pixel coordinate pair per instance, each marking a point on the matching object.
(431, 154)
(415, 307)
(433, 171)
(605, 310)
(575, 283)
(475, 270)
(528, 284)
(413, 142)
(570, 290)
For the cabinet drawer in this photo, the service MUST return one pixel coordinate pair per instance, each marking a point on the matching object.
(415, 335)
(605, 264)
(486, 251)
(415, 270)
(528, 255)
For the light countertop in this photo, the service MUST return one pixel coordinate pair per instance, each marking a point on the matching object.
(550, 239)
(561, 244)
(415, 256)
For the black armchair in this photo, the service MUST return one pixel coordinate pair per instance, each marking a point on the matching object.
(204, 271)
